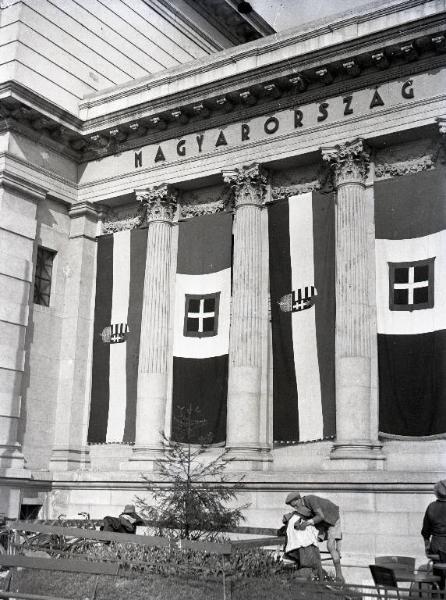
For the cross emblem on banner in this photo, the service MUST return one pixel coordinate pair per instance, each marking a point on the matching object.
(201, 315)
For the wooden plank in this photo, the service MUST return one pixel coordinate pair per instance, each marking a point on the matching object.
(211, 547)
(91, 534)
(257, 542)
(60, 564)
(26, 596)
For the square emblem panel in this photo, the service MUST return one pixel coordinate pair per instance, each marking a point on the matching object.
(411, 285)
(201, 315)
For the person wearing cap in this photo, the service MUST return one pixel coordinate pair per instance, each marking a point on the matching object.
(301, 543)
(324, 515)
(130, 519)
(434, 522)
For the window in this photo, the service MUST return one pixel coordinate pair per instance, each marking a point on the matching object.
(411, 285)
(42, 279)
(201, 315)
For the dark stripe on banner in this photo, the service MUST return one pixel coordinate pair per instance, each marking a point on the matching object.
(412, 383)
(212, 233)
(100, 387)
(285, 400)
(204, 385)
(138, 248)
(324, 281)
(410, 206)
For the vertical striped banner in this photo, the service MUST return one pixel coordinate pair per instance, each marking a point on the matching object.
(118, 352)
(301, 232)
(200, 362)
(118, 305)
(410, 225)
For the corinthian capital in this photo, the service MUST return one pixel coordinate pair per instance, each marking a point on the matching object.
(442, 125)
(159, 203)
(349, 162)
(248, 185)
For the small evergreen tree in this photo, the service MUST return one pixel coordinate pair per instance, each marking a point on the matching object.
(193, 504)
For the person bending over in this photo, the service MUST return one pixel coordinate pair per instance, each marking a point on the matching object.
(324, 514)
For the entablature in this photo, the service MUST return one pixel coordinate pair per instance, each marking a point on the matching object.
(333, 70)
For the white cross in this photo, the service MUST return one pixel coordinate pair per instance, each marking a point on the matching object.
(200, 315)
(411, 284)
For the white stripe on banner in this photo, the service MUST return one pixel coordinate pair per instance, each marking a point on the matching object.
(210, 283)
(311, 425)
(416, 321)
(118, 352)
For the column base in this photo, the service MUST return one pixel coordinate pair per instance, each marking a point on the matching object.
(357, 455)
(248, 458)
(70, 459)
(12, 459)
(144, 458)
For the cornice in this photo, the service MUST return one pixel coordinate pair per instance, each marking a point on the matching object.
(21, 186)
(337, 69)
(244, 112)
(41, 170)
(45, 107)
(365, 43)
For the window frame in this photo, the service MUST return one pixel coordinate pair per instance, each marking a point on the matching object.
(430, 263)
(38, 278)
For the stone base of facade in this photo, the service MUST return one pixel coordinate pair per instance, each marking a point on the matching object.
(244, 458)
(70, 459)
(144, 458)
(363, 455)
(382, 511)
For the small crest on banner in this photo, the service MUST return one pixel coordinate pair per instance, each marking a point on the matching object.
(300, 300)
(115, 333)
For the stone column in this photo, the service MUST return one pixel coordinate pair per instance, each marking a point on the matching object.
(350, 164)
(249, 319)
(70, 450)
(160, 205)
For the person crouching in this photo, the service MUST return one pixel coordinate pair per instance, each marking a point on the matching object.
(301, 544)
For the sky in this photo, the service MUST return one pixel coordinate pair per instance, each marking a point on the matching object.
(283, 14)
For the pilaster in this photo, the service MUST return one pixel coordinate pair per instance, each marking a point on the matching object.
(18, 206)
(70, 451)
(354, 447)
(249, 321)
(159, 205)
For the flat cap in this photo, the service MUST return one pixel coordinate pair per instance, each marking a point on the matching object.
(440, 489)
(292, 496)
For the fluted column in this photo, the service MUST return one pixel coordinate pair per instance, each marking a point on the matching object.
(248, 319)
(160, 205)
(354, 439)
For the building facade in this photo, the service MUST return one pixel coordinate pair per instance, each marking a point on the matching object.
(255, 229)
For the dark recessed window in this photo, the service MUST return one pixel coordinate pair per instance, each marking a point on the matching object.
(43, 276)
(411, 285)
(201, 315)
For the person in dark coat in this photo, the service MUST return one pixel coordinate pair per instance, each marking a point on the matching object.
(127, 521)
(434, 528)
(434, 522)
